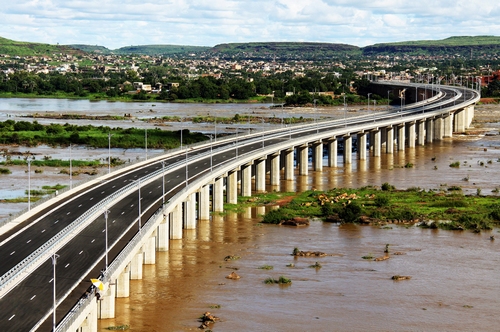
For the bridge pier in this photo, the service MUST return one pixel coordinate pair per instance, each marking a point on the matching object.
(303, 154)
(317, 155)
(275, 169)
(232, 187)
(289, 166)
(401, 137)
(438, 129)
(361, 145)
(377, 146)
(176, 223)
(347, 149)
(136, 265)
(218, 195)
(260, 175)
(123, 283)
(90, 322)
(246, 180)
(150, 250)
(448, 125)
(204, 203)
(459, 123)
(389, 141)
(421, 132)
(429, 133)
(332, 152)
(411, 134)
(106, 304)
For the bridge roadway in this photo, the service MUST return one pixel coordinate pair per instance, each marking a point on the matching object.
(28, 304)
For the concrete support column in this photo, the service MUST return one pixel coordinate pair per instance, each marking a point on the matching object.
(303, 154)
(347, 149)
(401, 137)
(190, 212)
(429, 132)
(175, 219)
(469, 116)
(438, 129)
(411, 135)
(318, 156)
(448, 125)
(246, 180)
(162, 234)
(136, 266)
(421, 132)
(377, 142)
(90, 322)
(150, 250)
(459, 117)
(218, 195)
(232, 187)
(389, 146)
(275, 169)
(289, 166)
(332, 153)
(123, 283)
(204, 203)
(362, 146)
(106, 305)
(260, 175)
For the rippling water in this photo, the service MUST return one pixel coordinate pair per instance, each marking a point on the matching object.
(454, 284)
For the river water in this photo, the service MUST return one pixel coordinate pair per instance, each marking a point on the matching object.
(454, 275)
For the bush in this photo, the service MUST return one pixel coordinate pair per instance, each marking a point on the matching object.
(387, 187)
(455, 164)
(381, 201)
(5, 171)
(350, 213)
(276, 216)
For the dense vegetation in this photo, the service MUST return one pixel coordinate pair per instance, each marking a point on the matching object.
(452, 210)
(33, 133)
(165, 50)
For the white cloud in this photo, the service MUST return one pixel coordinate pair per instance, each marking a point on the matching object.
(114, 23)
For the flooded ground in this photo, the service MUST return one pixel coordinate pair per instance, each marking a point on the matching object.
(454, 275)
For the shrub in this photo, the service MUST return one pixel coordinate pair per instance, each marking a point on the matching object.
(381, 201)
(276, 216)
(5, 171)
(350, 213)
(455, 164)
(387, 187)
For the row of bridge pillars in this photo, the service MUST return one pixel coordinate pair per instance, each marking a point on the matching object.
(251, 177)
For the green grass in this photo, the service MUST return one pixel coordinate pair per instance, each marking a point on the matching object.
(282, 280)
(465, 212)
(266, 267)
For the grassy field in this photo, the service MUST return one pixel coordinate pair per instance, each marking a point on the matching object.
(445, 209)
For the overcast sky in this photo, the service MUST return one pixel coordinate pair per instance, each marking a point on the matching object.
(118, 23)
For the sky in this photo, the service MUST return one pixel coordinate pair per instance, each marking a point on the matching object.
(119, 23)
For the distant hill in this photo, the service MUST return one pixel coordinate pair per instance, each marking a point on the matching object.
(15, 48)
(454, 45)
(143, 49)
(286, 49)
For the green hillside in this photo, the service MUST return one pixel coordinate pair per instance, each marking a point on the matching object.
(143, 49)
(454, 45)
(287, 49)
(14, 48)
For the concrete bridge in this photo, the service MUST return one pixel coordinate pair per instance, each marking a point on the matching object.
(110, 227)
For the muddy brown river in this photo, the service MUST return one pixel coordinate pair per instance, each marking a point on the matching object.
(454, 283)
(454, 275)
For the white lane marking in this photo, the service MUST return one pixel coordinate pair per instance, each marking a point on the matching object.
(43, 231)
(132, 205)
(102, 192)
(65, 266)
(51, 280)
(81, 252)
(103, 230)
(68, 213)
(150, 192)
(55, 222)
(28, 241)
(12, 317)
(32, 297)
(113, 186)
(91, 198)
(113, 221)
(12, 253)
(123, 212)
(178, 175)
(80, 205)
(168, 181)
(92, 241)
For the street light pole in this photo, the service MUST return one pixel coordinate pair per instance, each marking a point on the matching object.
(369, 93)
(70, 169)
(211, 156)
(374, 104)
(139, 190)
(146, 141)
(345, 111)
(29, 184)
(106, 213)
(163, 181)
(54, 262)
(109, 152)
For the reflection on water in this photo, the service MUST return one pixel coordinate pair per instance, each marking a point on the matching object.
(454, 284)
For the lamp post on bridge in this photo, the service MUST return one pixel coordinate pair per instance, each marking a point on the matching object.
(106, 213)
(369, 93)
(54, 263)
(29, 184)
(109, 152)
(146, 141)
(70, 169)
